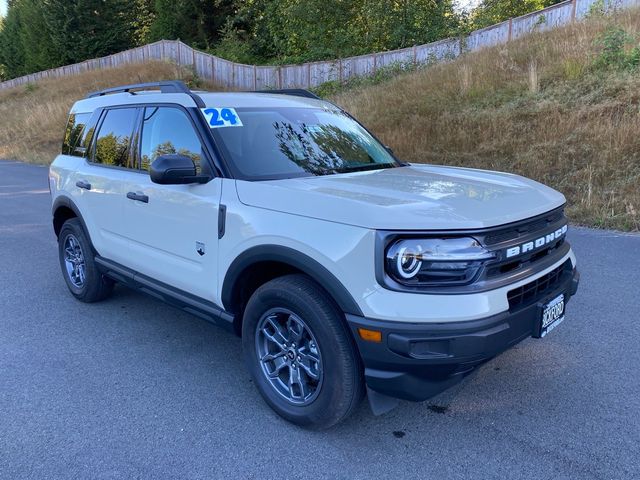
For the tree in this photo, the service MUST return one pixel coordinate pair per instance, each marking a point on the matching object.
(490, 12)
(12, 53)
(82, 29)
(195, 22)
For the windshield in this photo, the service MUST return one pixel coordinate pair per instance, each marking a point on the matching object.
(294, 142)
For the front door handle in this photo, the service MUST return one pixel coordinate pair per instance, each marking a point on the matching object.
(138, 197)
(83, 184)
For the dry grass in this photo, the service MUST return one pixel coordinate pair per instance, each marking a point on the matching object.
(534, 107)
(33, 117)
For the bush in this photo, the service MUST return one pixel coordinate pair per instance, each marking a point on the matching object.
(616, 50)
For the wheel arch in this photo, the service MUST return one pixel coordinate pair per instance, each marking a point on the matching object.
(274, 261)
(64, 209)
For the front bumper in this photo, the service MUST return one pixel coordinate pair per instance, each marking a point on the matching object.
(417, 361)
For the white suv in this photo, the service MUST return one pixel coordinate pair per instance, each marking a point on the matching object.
(279, 216)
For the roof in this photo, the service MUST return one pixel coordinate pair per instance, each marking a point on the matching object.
(176, 92)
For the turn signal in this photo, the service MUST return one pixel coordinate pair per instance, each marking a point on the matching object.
(370, 335)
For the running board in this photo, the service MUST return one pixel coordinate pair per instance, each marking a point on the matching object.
(177, 298)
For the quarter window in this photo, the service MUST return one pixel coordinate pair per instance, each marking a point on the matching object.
(75, 128)
(114, 138)
(168, 131)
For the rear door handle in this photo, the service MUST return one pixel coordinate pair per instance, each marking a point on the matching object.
(83, 184)
(138, 197)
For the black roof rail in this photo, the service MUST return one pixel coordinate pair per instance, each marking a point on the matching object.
(168, 86)
(296, 92)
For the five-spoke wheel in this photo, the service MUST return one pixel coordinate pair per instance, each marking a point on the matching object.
(289, 356)
(79, 268)
(300, 353)
(74, 260)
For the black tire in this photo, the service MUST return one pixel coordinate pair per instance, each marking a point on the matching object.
(341, 385)
(95, 286)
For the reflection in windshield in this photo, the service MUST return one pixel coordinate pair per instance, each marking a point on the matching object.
(290, 142)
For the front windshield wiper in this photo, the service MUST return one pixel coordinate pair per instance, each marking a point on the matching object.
(363, 168)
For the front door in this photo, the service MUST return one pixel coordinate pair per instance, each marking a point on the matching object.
(172, 229)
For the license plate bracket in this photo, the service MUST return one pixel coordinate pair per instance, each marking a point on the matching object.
(550, 315)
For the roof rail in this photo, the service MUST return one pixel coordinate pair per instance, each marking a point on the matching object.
(168, 86)
(296, 92)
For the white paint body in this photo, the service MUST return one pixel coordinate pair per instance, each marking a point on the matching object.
(331, 219)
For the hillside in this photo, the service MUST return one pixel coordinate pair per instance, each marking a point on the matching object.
(551, 106)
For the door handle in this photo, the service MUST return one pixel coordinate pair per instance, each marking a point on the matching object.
(83, 184)
(138, 197)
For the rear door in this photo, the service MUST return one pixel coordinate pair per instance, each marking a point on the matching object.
(99, 180)
(172, 229)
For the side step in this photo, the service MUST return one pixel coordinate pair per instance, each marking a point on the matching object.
(177, 298)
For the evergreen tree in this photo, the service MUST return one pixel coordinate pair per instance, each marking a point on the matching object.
(82, 29)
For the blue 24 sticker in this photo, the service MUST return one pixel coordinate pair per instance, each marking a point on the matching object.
(221, 117)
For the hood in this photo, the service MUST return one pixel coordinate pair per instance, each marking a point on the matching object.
(415, 197)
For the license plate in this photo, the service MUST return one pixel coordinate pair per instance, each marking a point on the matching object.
(552, 315)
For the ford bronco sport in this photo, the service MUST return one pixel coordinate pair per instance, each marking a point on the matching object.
(279, 216)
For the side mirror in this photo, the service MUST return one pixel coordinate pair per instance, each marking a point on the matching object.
(388, 149)
(175, 170)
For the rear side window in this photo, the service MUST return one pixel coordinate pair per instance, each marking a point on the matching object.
(168, 131)
(75, 129)
(114, 138)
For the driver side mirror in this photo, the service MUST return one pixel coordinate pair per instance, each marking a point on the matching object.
(175, 170)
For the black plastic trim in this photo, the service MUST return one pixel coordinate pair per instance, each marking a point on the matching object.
(165, 86)
(168, 294)
(222, 220)
(295, 92)
(293, 258)
(415, 361)
(64, 201)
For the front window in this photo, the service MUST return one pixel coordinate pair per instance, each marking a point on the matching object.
(295, 142)
(168, 131)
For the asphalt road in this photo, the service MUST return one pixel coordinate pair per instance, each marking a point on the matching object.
(132, 388)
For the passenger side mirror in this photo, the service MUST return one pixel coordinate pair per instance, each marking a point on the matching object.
(175, 170)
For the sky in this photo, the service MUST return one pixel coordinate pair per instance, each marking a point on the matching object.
(466, 4)
(3, 8)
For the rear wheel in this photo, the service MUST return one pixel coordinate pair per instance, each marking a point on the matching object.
(84, 280)
(300, 353)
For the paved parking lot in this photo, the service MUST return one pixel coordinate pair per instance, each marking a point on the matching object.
(132, 388)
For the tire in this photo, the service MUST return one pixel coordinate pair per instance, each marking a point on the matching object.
(79, 269)
(320, 352)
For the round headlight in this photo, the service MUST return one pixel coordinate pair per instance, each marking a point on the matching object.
(408, 262)
(435, 261)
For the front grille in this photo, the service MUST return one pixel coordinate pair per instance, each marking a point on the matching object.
(531, 292)
(513, 233)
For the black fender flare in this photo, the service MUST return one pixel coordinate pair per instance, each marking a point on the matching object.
(64, 201)
(293, 258)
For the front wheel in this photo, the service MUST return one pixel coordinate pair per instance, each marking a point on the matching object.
(300, 353)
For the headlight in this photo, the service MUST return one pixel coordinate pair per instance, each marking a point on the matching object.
(435, 261)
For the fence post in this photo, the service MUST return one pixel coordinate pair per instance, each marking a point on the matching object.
(255, 77)
(308, 75)
(510, 29)
(574, 8)
(279, 76)
(415, 56)
(340, 71)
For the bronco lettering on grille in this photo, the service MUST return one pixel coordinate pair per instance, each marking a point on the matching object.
(537, 243)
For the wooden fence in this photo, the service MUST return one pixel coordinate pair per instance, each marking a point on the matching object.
(254, 77)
